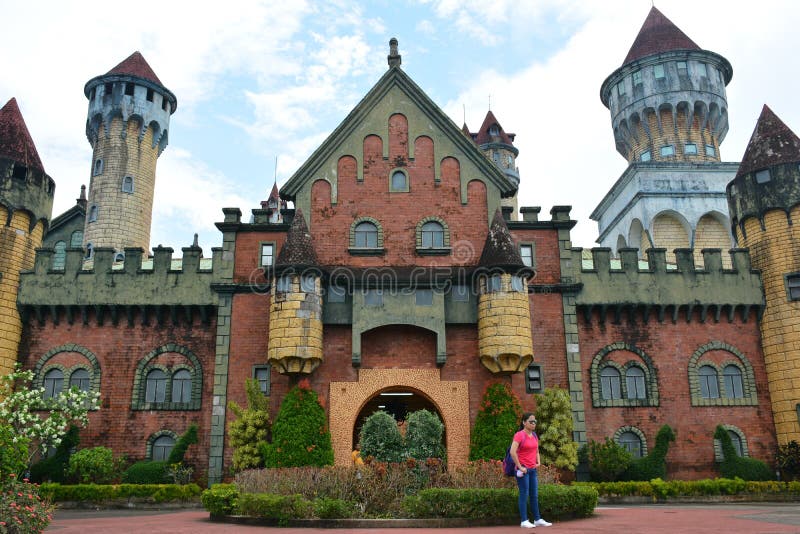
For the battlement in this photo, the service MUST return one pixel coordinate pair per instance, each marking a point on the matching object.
(677, 288)
(26, 188)
(136, 284)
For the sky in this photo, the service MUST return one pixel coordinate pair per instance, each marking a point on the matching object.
(260, 80)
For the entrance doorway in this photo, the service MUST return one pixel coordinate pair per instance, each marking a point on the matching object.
(397, 402)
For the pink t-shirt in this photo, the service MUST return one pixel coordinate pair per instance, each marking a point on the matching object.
(528, 450)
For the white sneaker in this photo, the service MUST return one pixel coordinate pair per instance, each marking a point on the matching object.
(527, 524)
(542, 523)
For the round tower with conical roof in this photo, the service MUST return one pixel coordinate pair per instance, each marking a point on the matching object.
(764, 202)
(667, 100)
(127, 126)
(26, 204)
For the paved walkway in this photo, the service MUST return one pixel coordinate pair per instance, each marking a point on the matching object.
(749, 518)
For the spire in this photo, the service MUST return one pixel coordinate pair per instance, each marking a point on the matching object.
(298, 250)
(136, 65)
(394, 58)
(274, 195)
(658, 34)
(16, 143)
(81, 200)
(499, 249)
(487, 135)
(772, 143)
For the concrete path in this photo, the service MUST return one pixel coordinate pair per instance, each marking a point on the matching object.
(749, 518)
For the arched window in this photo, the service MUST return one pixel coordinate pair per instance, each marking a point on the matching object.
(93, 213)
(98, 167)
(736, 439)
(366, 235)
(156, 386)
(80, 379)
(610, 383)
(59, 255)
(635, 383)
(53, 383)
(127, 184)
(162, 447)
(631, 443)
(399, 181)
(181, 386)
(76, 239)
(734, 387)
(709, 382)
(432, 235)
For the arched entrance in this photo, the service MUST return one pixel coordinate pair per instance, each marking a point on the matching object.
(450, 400)
(397, 402)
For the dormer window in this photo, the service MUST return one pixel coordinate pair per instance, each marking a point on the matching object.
(494, 130)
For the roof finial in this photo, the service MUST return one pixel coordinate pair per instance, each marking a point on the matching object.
(394, 58)
(195, 243)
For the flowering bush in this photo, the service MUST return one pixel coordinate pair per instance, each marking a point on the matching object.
(22, 510)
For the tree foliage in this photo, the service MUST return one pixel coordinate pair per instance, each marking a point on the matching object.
(788, 460)
(250, 430)
(424, 435)
(554, 428)
(498, 418)
(381, 439)
(607, 460)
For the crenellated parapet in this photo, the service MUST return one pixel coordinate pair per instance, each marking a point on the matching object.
(137, 289)
(640, 289)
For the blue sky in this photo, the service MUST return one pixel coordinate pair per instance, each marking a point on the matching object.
(259, 80)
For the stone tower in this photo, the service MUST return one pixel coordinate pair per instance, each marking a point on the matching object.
(669, 114)
(26, 203)
(295, 319)
(127, 126)
(764, 202)
(505, 343)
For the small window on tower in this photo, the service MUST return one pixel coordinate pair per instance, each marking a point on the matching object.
(646, 156)
(682, 70)
(763, 176)
(108, 89)
(127, 184)
(98, 167)
(92, 94)
(129, 89)
(164, 103)
(710, 150)
(89, 251)
(493, 130)
(20, 172)
(690, 149)
(637, 78)
(793, 286)
(93, 214)
(658, 72)
(667, 150)
(621, 88)
(702, 70)
(149, 95)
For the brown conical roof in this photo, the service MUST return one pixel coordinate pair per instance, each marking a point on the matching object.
(772, 143)
(15, 140)
(483, 136)
(499, 249)
(274, 195)
(298, 250)
(658, 34)
(135, 65)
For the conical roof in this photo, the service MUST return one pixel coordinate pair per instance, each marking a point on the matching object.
(298, 250)
(135, 65)
(772, 143)
(499, 249)
(483, 136)
(274, 195)
(658, 34)
(15, 139)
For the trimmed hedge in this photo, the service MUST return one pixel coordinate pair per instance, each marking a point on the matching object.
(271, 506)
(660, 489)
(102, 492)
(146, 472)
(220, 499)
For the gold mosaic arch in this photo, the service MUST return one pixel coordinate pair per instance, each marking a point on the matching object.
(451, 398)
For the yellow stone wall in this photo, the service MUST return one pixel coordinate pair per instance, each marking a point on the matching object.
(295, 329)
(667, 232)
(124, 219)
(671, 132)
(451, 398)
(710, 233)
(505, 343)
(17, 250)
(776, 252)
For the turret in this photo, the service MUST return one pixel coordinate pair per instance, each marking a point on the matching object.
(295, 319)
(764, 202)
(26, 203)
(505, 343)
(273, 205)
(667, 100)
(498, 146)
(127, 126)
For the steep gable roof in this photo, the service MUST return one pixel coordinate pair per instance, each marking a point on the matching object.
(483, 136)
(658, 34)
(772, 143)
(395, 77)
(298, 250)
(135, 65)
(499, 250)
(16, 143)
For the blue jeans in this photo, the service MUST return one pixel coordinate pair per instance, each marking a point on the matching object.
(528, 490)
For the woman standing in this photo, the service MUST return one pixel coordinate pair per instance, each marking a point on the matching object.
(525, 452)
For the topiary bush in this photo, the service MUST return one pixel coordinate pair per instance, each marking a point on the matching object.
(554, 428)
(54, 469)
(299, 434)
(179, 450)
(788, 460)
(250, 430)
(653, 465)
(146, 472)
(607, 460)
(497, 420)
(380, 438)
(733, 465)
(93, 466)
(424, 435)
(220, 499)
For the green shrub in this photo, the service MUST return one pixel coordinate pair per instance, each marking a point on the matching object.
(607, 460)
(249, 431)
(93, 466)
(733, 465)
(653, 465)
(22, 509)
(325, 508)
(424, 435)
(554, 428)
(221, 499)
(788, 460)
(179, 450)
(102, 492)
(13, 452)
(54, 469)
(299, 434)
(380, 438)
(497, 420)
(146, 472)
(271, 506)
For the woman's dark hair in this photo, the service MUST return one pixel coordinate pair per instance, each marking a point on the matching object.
(524, 418)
